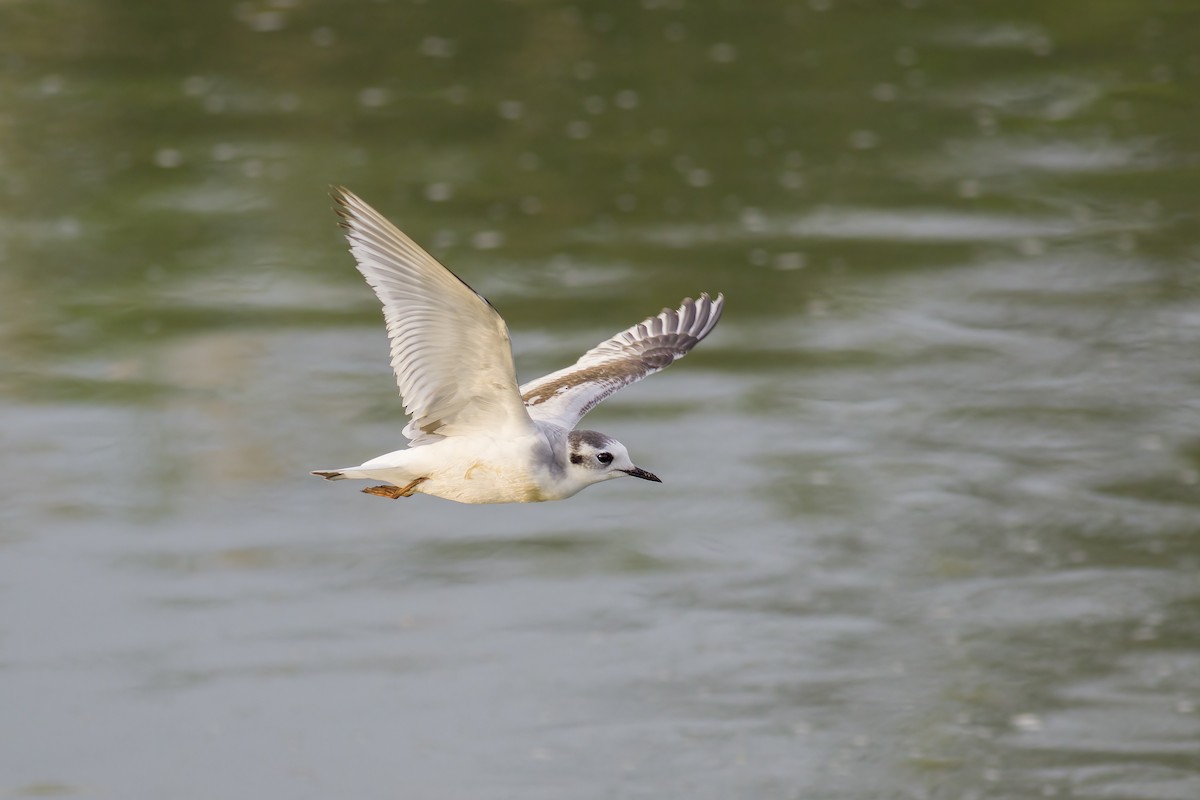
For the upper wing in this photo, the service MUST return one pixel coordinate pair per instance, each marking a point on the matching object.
(563, 397)
(450, 349)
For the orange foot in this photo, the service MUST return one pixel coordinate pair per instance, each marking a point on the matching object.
(395, 491)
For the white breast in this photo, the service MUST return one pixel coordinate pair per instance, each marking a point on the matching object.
(480, 470)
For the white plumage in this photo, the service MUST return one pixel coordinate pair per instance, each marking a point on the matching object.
(474, 436)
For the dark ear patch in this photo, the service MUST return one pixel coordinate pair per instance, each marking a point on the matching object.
(576, 458)
(593, 439)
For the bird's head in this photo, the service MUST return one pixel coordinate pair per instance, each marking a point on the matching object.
(593, 457)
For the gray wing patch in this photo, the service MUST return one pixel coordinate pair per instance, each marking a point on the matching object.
(563, 397)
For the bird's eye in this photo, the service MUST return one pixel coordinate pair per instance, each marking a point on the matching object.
(604, 458)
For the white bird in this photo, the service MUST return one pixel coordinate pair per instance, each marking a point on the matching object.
(475, 437)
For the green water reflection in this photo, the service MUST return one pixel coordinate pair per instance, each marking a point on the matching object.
(929, 526)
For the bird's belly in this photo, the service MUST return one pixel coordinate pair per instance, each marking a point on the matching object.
(483, 482)
(472, 472)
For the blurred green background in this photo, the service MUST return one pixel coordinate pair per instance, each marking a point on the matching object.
(930, 525)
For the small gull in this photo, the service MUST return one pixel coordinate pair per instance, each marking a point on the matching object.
(474, 435)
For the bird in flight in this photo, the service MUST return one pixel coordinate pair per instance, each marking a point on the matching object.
(475, 436)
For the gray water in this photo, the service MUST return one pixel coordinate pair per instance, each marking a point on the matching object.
(930, 519)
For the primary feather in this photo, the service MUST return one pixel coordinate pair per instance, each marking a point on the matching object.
(563, 397)
(450, 349)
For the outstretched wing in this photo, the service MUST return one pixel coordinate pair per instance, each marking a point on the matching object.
(563, 397)
(450, 349)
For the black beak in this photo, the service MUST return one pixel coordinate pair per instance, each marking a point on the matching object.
(638, 472)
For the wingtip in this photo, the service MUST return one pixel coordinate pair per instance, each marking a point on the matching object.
(718, 305)
(345, 200)
(715, 307)
(348, 207)
(705, 297)
(708, 313)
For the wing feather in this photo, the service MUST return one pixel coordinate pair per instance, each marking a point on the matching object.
(450, 349)
(563, 397)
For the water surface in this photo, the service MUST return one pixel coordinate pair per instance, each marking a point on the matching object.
(930, 519)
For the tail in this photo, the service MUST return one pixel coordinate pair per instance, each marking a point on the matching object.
(329, 476)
